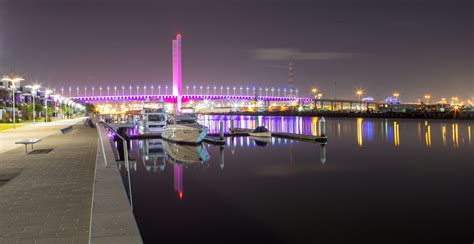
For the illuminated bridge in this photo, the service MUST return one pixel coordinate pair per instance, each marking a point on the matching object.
(187, 98)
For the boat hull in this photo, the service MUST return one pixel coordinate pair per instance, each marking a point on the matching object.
(184, 134)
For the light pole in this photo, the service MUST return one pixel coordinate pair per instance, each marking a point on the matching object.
(93, 91)
(70, 89)
(108, 90)
(46, 95)
(278, 91)
(215, 90)
(284, 92)
(115, 90)
(187, 90)
(77, 91)
(228, 91)
(314, 91)
(247, 90)
(144, 90)
(85, 91)
(273, 92)
(159, 89)
(152, 93)
(62, 91)
(208, 90)
(201, 89)
(222, 89)
(266, 91)
(359, 93)
(34, 88)
(233, 88)
(13, 87)
(427, 97)
(100, 91)
(240, 88)
(123, 90)
(166, 88)
(130, 90)
(137, 89)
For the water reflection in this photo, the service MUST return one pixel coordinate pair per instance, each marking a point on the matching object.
(365, 132)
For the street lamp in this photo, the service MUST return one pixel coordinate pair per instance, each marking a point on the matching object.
(166, 88)
(13, 87)
(159, 89)
(34, 89)
(273, 92)
(233, 88)
(208, 90)
(241, 90)
(201, 89)
(314, 91)
(247, 89)
(85, 91)
(228, 91)
(152, 87)
(115, 90)
(137, 89)
(93, 91)
(187, 90)
(215, 87)
(77, 91)
(266, 91)
(70, 89)
(123, 90)
(108, 91)
(46, 94)
(194, 90)
(359, 92)
(427, 97)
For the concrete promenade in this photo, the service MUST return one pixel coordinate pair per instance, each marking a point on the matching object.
(46, 198)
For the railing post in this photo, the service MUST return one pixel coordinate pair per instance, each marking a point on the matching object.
(102, 144)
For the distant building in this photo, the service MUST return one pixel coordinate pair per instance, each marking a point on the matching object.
(392, 100)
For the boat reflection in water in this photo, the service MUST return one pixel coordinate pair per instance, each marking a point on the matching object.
(153, 156)
(185, 154)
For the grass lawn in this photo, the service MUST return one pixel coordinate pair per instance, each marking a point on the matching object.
(5, 126)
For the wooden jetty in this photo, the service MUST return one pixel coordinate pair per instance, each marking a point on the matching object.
(209, 138)
(301, 137)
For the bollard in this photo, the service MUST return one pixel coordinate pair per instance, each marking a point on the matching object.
(323, 153)
(232, 123)
(221, 163)
(221, 129)
(322, 127)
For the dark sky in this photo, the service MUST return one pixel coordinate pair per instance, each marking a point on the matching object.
(412, 46)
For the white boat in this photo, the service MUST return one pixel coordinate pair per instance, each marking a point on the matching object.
(184, 129)
(153, 119)
(185, 153)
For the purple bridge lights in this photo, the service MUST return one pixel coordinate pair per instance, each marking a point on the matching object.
(187, 98)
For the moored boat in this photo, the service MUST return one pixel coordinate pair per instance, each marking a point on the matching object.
(184, 129)
(261, 131)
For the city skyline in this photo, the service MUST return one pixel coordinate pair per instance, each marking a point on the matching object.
(351, 43)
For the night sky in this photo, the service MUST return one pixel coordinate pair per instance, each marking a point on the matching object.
(411, 46)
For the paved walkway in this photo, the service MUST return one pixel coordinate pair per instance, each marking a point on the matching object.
(38, 130)
(46, 198)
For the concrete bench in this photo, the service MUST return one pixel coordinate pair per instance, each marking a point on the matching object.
(27, 142)
(66, 130)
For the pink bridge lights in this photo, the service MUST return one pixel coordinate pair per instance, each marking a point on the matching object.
(186, 98)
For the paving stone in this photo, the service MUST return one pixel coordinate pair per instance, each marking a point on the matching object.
(49, 200)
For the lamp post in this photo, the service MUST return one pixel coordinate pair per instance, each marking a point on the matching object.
(100, 91)
(427, 97)
(13, 87)
(247, 90)
(108, 90)
(215, 90)
(208, 90)
(315, 92)
(240, 88)
(233, 88)
(93, 91)
(166, 88)
(34, 88)
(77, 91)
(187, 90)
(159, 89)
(46, 94)
(359, 92)
(115, 90)
(152, 93)
(123, 90)
(70, 89)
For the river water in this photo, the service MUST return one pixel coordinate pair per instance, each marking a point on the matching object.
(375, 181)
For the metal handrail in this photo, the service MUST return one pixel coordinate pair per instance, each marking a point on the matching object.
(125, 155)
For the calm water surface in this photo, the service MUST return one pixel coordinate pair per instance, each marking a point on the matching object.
(376, 181)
